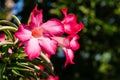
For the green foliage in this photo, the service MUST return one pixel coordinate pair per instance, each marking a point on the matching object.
(2, 68)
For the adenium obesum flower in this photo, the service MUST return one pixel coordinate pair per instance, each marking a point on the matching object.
(70, 23)
(68, 44)
(36, 35)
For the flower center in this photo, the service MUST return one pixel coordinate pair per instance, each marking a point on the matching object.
(36, 32)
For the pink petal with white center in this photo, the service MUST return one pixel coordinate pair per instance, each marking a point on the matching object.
(69, 56)
(32, 48)
(49, 46)
(35, 18)
(53, 27)
(2, 37)
(74, 43)
(23, 33)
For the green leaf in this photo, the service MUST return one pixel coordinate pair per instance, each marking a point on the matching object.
(17, 72)
(6, 42)
(8, 28)
(47, 63)
(8, 23)
(2, 68)
(16, 19)
(9, 34)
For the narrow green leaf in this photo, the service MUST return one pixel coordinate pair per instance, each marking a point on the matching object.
(45, 74)
(2, 68)
(8, 28)
(16, 19)
(47, 62)
(11, 36)
(8, 23)
(17, 72)
(5, 43)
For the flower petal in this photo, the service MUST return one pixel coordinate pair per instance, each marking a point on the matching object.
(74, 43)
(0, 55)
(53, 27)
(73, 27)
(62, 41)
(69, 18)
(70, 23)
(32, 48)
(48, 45)
(64, 11)
(69, 56)
(51, 77)
(35, 18)
(2, 37)
(23, 33)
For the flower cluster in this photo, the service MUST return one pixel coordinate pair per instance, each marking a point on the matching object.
(45, 37)
(26, 54)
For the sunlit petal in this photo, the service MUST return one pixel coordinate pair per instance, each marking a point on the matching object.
(23, 33)
(49, 46)
(69, 56)
(32, 49)
(35, 18)
(53, 27)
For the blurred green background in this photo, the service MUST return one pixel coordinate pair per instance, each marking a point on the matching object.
(99, 55)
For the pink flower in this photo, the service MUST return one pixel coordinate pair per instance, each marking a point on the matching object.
(36, 35)
(53, 77)
(70, 23)
(0, 55)
(2, 37)
(68, 44)
(10, 51)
